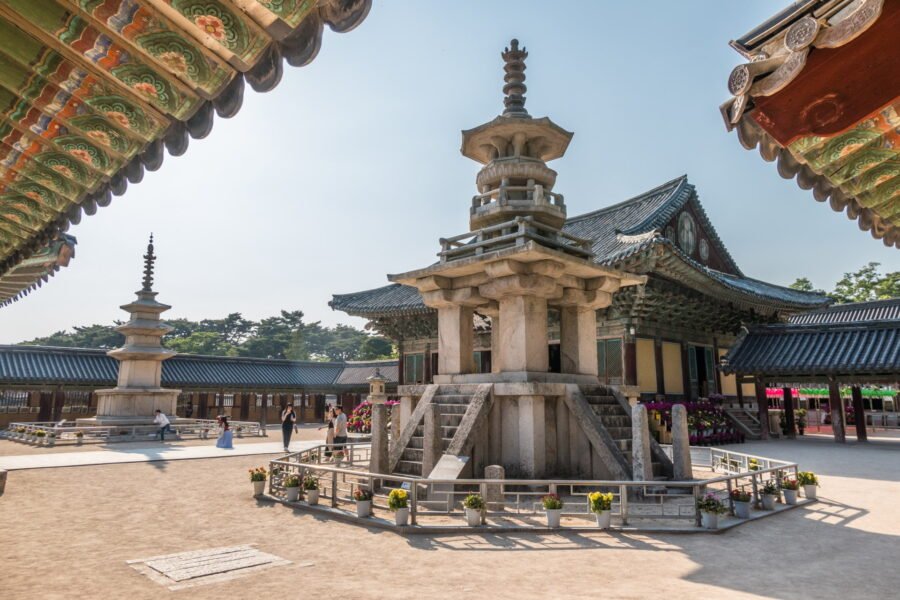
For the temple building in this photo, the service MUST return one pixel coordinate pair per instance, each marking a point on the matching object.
(557, 317)
(820, 94)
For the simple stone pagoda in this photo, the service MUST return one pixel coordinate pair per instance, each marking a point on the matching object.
(514, 265)
(139, 394)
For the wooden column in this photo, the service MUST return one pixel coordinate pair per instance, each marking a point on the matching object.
(59, 400)
(427, 375)
(400, 361)
(859, 414)
(264, 416)
(838, 417)
(762, 406)
(660, 369)
(686, 371)
(740, 389)
(716, 366)
(788, 396)
(46, 411)
(630, 352)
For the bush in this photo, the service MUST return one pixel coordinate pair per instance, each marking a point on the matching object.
(552, 502)
(600, 501)
(474, 501)
(397, 499)
(711, 504)
(807, 478)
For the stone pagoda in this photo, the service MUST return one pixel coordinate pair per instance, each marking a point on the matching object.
(514, 266)
(139, 394)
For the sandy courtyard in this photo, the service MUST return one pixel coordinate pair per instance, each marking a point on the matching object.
(67, 532)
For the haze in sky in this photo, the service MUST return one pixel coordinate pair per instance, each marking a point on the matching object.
(350, 168)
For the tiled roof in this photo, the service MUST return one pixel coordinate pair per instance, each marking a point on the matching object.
(394, 299)
(617, 232)
(856, 312)
(79, 366)
(845, 349)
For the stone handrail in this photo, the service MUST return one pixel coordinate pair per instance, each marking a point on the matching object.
(415, 419)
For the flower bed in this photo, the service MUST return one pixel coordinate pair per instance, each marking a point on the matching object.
(360, 420)
(707, 423)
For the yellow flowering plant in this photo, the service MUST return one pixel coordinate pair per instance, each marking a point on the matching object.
(600, 501)
(397, 499)
(258, 474)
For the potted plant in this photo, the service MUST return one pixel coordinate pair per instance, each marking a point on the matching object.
(39, 436)
(20, 431)
(601, 506)
(474, 506)
(51, 439)
(553, 505)
(311, 489)
(258, 478)
(363, 499)
(710, 508)
(741, 500)
(810, 482)
(789, 488)
(398, 502)
(769, 495)
(292, 487)
(753, 464)
(801, 421)
(79, 437)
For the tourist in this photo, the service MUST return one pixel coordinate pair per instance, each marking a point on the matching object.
(225, 435)
(288, 420)
(340, 428)
(329, 435)
(162, 421)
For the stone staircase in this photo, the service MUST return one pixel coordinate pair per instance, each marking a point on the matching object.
(453, 401)
(617, 422)
(745, 421)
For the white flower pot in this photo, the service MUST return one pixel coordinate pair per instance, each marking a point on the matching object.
(553, 517)
(809, 491)
(401, 516)
(603, 519)
(709, 520)
(363, 508)
(293, 494)
(742, 510)
(259, 487)
(312, 497)
(768, 501)
(790, 496)
(473, 517)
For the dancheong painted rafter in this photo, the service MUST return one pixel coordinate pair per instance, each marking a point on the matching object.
(92, 91)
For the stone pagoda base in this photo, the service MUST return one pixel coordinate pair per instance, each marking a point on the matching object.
(118, 406)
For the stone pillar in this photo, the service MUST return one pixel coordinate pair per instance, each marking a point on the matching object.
(494, 492)
(378, 463)
(641, 458)
(496, 350)
(433, 442)
(838, 417)
(681, 444)
(859, 414)
(578, 340)
(523, 334)
(406, 409)
(455, 340)
(395, 425)
(532, 436)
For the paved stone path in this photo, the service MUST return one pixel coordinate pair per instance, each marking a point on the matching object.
(113, 455)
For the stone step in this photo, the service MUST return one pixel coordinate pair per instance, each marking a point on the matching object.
(620, 433)
(615, 421)
(602, 400)
(451, 420)
(452, 399)
(416, 442)
(608, 409)
(447, 431)
(410, 467)
(624, 445)
(413, 455)
(467, 389)
(453, 409)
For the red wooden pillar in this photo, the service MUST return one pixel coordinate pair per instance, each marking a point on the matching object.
(789, 412)
(838, 417)
(762, 405)
(660, 369)
(859, 414)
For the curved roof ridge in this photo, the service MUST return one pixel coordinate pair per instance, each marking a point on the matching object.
(673, 183)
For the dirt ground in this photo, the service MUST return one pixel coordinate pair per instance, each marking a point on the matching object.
(66, 533)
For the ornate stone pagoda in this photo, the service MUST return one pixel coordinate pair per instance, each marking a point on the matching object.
(516, 261)
(139, 393)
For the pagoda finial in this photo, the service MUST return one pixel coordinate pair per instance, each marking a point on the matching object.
(514, 89)
(149, 259)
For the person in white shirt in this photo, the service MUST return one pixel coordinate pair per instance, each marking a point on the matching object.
(340, 428)
(163, 422)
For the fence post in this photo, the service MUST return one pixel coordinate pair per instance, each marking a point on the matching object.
(730, 501)
(755, 491)
(334, 489)
(697, 494)
(623, 503)
(414, 495)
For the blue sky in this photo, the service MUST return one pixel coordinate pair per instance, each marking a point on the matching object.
(350, 168)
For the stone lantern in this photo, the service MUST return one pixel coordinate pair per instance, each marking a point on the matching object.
(378, 463)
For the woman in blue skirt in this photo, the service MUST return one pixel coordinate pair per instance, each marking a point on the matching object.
(225, 435)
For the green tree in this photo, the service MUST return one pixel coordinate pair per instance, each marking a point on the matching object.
(376, 347)
(209, 343)
(805, 285)
(867, 284)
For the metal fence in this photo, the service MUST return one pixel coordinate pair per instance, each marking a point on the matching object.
(66, 432)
